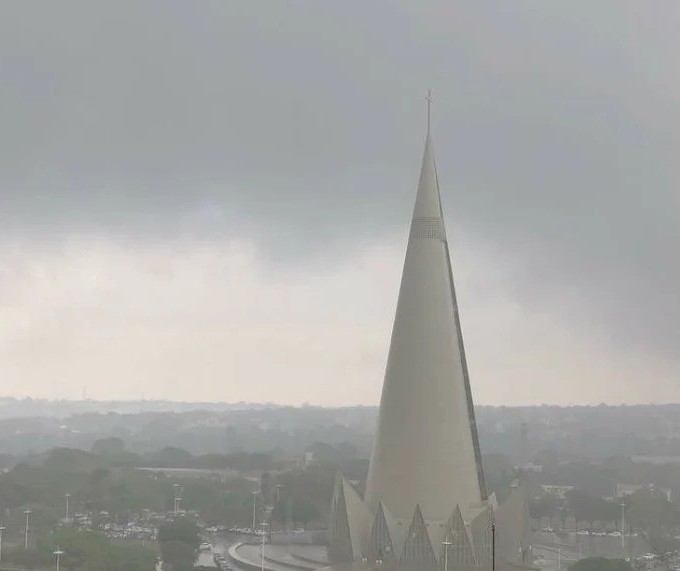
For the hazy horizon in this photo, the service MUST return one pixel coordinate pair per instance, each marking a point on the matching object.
(210, 202)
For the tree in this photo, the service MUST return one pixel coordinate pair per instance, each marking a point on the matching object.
(266, 486)
(108, 446)
(601, 564)
(660, 543)
(279, 512)
(314, 484)
(171, 457)
(591, 508)
(229, 510)
(179, 542)
(88, 550)
(651, 512)
(27, 558)
(303, 511)
(178, 555)
(97, 553)
(133, 558)
(543, 507)
(79, 548)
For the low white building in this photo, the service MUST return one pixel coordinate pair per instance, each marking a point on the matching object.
(556, 491)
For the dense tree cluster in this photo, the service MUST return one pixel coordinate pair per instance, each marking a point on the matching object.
(585, 507)
(106, 483)
(601, 564)
(179, 542)
(83, 551)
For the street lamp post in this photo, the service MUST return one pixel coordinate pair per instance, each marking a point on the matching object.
(27, 513)
(2, 528)
(254, 492)
(446, 543)
(57, 553)
(176, 499)
(623, 529)
(493, 546)
(264, 536)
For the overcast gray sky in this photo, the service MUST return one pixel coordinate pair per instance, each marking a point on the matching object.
(210, 200)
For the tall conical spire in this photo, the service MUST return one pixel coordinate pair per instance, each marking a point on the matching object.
(426, 450)
(426, 455)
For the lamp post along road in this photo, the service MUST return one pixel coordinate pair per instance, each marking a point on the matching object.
(254, 492)
(446, 543)
(176, 499)
(623, 529)
(27, 513)
(493, 546)
(264, 537)
(58, 552)
(2, 528)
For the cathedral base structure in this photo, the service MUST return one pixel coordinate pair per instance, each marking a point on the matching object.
(466, 540)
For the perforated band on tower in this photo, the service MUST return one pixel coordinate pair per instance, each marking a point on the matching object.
(431, 227)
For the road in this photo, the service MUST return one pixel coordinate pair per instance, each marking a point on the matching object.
(563, 549)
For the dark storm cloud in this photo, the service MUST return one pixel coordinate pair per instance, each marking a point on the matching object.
(301, 123)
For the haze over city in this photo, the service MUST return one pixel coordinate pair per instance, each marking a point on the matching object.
(210, 201)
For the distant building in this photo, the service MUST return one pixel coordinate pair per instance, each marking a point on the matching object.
(531, 467)
(214, 473)
(624, 490)
(656, 460)
(559, 492)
